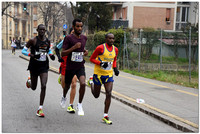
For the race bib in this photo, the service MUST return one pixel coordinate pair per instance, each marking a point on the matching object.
(109, 67)
(77, 56)
(43, 56)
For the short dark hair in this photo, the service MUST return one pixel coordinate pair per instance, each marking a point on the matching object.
(70, 30)
(76, 20)
(40, 25)
(106, 36)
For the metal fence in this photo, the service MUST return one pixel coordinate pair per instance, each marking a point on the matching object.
(157, 50)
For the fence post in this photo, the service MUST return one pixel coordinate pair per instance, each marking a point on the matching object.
(160, 49)
(139, 50)
(190, 54)
(124, 54)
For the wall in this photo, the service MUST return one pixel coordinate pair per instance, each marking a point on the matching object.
(152, 17)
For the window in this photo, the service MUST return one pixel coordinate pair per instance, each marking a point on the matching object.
(168, 12)
(182, 13)
(10, 25)
(16, 27)
(24, 28)
(178, 14)
(124, 13)
(29, 27)
(35, 23)
(34, 10)
(16, 7)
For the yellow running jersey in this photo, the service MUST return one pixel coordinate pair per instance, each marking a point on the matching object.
(107, 56)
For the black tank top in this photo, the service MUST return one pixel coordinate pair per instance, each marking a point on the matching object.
(40, 46)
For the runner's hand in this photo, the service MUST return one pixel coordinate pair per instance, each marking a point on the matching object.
(104, 64)
(35, 56)
(116, 71)
(52, 57)
(60, 60)
(77, 45)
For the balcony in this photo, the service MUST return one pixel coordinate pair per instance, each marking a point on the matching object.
(119, 23)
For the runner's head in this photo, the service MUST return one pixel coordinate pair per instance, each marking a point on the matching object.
(109, 39)
(77, 26)
(41, 29)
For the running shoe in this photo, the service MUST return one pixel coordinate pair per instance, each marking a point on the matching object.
(63, 102)
(40, 113)
(106, 120)
(70, 109)
(90, 81)
(80, 110)
(28, 82)
(59, 79)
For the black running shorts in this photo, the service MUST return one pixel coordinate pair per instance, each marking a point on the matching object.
(69, 74)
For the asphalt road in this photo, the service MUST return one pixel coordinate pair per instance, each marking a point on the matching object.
(19, 106)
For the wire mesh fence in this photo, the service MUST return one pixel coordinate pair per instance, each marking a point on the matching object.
(149, 49)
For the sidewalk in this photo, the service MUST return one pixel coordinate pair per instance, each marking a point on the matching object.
(172, 104)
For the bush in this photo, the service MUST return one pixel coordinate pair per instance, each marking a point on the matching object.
(119, 34)
(99, 38)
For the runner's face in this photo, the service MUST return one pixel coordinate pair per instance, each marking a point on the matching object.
(78, 28)
(41, 30)
(110, 39)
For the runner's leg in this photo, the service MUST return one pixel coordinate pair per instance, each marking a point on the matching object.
(63, 81)
(108, 87)
(95, 89)
(34, 79)
(43, 79)
(82, 88)
(73, 89)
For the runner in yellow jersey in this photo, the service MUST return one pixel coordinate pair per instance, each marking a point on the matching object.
(104, 57)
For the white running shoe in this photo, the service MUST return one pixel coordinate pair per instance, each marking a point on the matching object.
(63, 102)
(80, 110)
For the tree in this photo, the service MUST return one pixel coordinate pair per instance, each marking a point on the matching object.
(5, 6)
(52, 14)
(81, 10)
(151, 37)
(102, 15)
(100, 19)
(176, 44)
(194, 39)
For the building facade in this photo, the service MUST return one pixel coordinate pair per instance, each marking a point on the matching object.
(22, 24)
(21, 19)
(171, 16)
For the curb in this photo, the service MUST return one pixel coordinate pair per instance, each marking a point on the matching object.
(165, 119)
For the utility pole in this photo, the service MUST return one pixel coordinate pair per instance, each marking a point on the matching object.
(140, 41)
(190, 54)
(160, 49)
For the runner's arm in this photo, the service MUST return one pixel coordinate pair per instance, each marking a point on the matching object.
(115, 63)
(115, 59)
(28, 45)
(66, 50)
(50, 53)
(97, 51)
(60, 44)
(57, 50)
(25, 51)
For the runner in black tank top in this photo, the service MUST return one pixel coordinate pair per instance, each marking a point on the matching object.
(39, 63)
